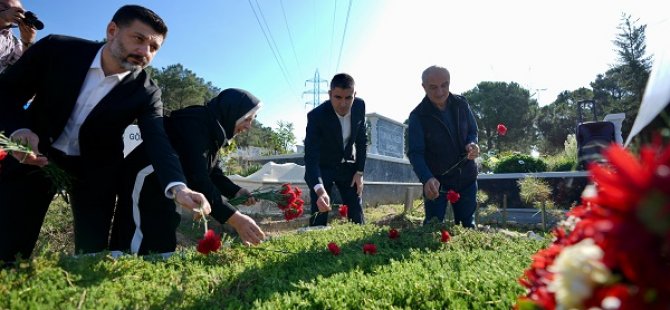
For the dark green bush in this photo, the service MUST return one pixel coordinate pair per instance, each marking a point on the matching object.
(520, 163)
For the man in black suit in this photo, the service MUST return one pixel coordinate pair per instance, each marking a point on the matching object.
(85, 95)
(335, 151)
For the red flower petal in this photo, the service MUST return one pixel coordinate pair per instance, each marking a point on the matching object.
(3, 154)
(344, 210)
(369, 248)
(453, 196)
(210, 243)
(393, 233)
(333, 248)
(445, 236)
(502, 130)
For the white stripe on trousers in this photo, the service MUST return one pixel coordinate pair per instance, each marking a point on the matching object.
(137, 189)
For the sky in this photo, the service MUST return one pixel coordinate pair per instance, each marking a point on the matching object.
(273, 47)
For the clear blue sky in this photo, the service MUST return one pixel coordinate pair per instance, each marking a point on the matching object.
(551, 46)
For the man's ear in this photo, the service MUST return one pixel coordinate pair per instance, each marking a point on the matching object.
(112, 30)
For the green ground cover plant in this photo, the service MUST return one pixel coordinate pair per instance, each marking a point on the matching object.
(294, 270)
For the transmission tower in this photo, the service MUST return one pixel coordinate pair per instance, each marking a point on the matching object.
(316, 91)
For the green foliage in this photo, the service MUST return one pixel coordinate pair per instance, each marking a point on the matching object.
(520, 163)
(565, 160)
(499, 102)
(181, 87)
(475, 270)
(286, 137)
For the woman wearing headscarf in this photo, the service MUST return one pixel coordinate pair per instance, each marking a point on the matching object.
(145, 220)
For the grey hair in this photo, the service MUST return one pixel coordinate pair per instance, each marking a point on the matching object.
(433, 69)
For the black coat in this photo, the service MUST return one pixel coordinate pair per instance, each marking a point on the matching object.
(53, 70)
(323, 140)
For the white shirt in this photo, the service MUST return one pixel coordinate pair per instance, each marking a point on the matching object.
(96, 86)
(345, 123)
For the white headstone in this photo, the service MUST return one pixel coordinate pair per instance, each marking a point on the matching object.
(617, 120)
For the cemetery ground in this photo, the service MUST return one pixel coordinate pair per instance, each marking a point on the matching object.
(292, 269)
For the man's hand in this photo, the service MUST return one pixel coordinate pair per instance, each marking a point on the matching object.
(431, 189)
(473, 151)
(29, 138)
(12, 15)
(191, 200)
(358, 180)
(244, 192)
(28, 34)
(323, 201)
(246, 228)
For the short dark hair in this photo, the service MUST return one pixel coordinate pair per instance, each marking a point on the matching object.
(127, 14)
(342, 80)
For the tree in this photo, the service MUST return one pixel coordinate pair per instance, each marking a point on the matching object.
(286, 136)
(621, 88)
(499, 102)
(559, 119)
(181, 87)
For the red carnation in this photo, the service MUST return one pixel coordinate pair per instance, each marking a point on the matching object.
(210, 243)
(297, 191)
(293, 212)
(3, 154)
(453, 196)
(369, 248)
(344, 210)
(393, 233)
(333, 248)
(502, 130)
(285, 188)
(445, 236)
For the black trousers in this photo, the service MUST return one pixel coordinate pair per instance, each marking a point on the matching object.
(340, 176)
(26, 193)
(145, 221)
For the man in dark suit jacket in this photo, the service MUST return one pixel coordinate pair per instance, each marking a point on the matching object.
(85, 95)
(335, 151)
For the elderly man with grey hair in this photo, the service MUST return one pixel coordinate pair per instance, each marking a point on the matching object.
(442, 146)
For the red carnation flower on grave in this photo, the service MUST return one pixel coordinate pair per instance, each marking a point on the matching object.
(333, 248)
(210, 243)
(344, 210)
(3, 154)
(393, 233)
(445, 236)
(297, 191)
(369, 248)
(453, 196)
(502, 130)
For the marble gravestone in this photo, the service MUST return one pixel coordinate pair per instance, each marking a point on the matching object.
(387, 137)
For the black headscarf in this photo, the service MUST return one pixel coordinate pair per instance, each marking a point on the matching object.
(230, 106)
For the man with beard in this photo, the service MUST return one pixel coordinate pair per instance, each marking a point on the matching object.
(85, 95)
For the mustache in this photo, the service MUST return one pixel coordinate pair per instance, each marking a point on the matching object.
(139, 58)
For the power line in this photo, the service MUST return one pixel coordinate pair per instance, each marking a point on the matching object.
(332, 37)
(274, 43)
(281, 2)
(270, 45)
(344, 33)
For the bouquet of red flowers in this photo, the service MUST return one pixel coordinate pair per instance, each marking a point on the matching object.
(287, 198)
(613, 251)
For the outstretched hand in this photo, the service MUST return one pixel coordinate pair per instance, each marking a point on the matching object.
(246, 228)
(431, 189)
(192, 200)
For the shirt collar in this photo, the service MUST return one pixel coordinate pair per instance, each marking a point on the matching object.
(97, 65)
